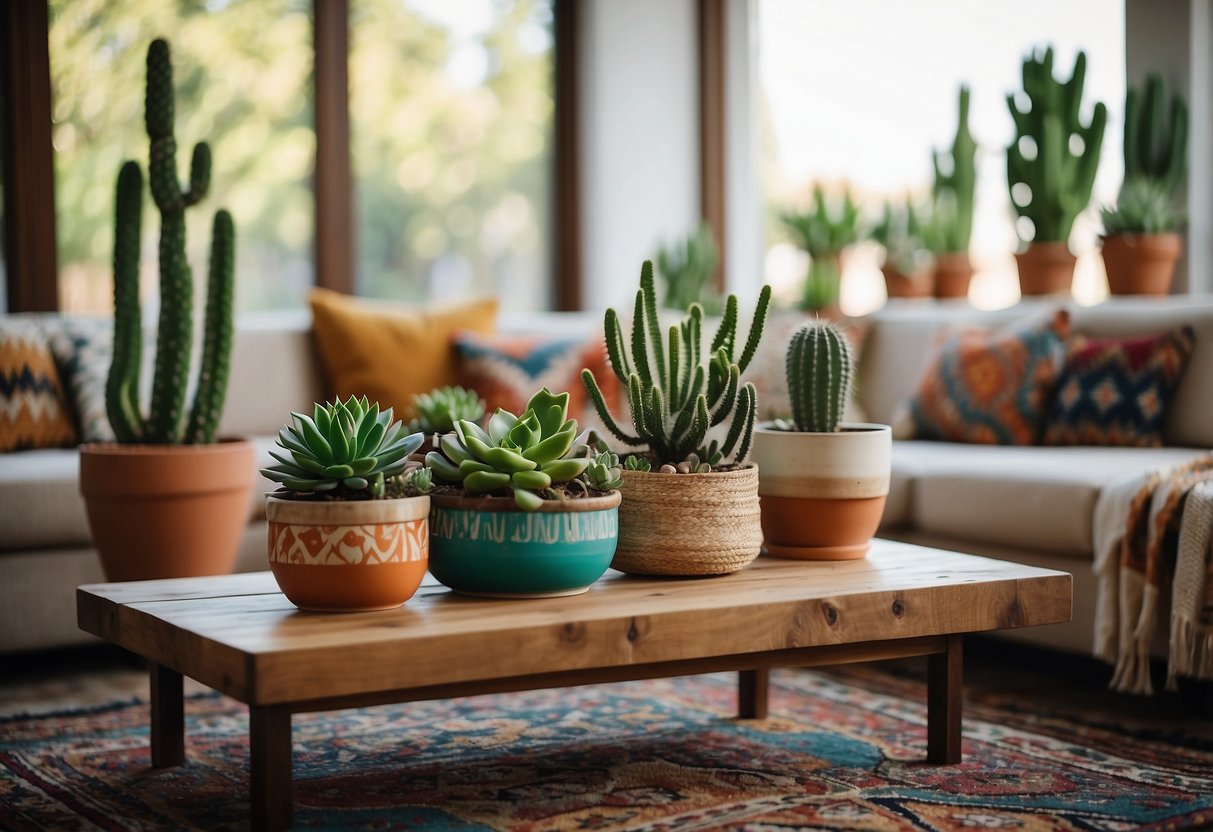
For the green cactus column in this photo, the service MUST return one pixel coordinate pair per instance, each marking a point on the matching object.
(819, 369)
(122, 385)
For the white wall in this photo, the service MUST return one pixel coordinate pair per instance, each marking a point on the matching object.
(743, 190)
(640, 138)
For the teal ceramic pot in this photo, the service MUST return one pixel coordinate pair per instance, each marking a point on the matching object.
(487, 546)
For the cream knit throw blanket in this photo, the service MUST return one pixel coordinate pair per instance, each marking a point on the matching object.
(1152, 532)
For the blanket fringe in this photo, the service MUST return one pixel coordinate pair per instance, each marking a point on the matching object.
(1139, 608)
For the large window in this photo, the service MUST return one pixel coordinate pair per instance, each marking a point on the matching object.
(857, 92)
(451, 112)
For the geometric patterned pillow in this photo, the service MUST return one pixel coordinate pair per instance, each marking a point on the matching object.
(33, 412)
(83, 348)
(1115, 391)
(506, 370)
(990, 387)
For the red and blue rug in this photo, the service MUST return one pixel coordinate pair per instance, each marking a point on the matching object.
(842, 750)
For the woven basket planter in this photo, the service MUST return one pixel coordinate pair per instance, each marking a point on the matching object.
(688, 524)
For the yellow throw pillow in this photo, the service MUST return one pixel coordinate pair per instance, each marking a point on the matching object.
(33, 409)
(391, 352)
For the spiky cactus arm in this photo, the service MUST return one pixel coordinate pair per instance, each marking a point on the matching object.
(652, 324)
(604, 412)
(217, 346)
(959, 183)
(1155, 145)
(757, 324)
(122, 384)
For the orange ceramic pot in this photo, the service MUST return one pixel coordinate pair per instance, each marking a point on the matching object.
(898, 284)
(348, 555)
(822, 494)
(1141, 264)
(953, 272)
(167, 511)
(1045, 269)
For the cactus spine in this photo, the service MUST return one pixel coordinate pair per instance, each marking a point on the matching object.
(677, 392)
(820, 366)
(1058, 178)
(1156, 148)
(165, 423)
(953, 191)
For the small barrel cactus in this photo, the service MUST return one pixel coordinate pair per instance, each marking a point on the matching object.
(439, 409)
(345, 449)
(525, 455)
(820, 367)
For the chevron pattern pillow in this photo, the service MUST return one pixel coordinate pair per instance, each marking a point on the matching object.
(1115, 391)
(33, 409)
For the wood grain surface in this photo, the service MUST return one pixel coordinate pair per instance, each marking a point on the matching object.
(238, 634)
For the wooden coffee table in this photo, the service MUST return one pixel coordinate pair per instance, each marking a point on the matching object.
(239, 635)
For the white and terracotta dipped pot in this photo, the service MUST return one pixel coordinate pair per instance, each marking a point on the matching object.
(822, 494)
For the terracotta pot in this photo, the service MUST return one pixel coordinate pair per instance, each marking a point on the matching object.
(953, 272)
(1045, 269)
(822, 494)
(898, 284)
(488, 546)
(167, 511)
(1141, 264)
(348, 555)
(688, 524)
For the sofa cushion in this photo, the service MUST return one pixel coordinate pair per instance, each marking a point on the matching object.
(989, 386)
(33, 408)
(1116, 391)
(390, 352)
(1031, 497)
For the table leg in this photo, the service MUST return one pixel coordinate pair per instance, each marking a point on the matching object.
(270, 779)
(168, 717)
(945, 686)
(752, 688)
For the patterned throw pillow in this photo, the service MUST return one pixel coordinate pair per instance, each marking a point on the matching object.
(990, 387)
(1115, 391)
(83, 348)
(506, 369)
(33, 411)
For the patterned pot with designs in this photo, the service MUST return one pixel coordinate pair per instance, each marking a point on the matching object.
(487, 546)
(348, 555)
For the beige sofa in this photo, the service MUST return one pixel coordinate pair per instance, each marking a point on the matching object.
(1032, 505)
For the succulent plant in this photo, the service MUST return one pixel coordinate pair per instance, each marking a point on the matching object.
(824, 233)
(820, 366)
(603, 472)
(166, 421)
(525, 454)
(439, 409)
(637, 463)
(677, 391)
(1145, 206)
(346, 449)
(686, 267)
(1054, 154)
(955, 181)
(1156, 145)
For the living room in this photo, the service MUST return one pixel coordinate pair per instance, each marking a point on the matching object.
(706, 222)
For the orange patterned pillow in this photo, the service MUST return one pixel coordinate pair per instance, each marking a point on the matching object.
(389, 352)
(33, 409)
(990, 387)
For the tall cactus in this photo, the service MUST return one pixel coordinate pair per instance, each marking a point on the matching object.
(956, 180)
(165, 423)
(1058, 175)
(820, 366)
(1156, 143)
(677, 392)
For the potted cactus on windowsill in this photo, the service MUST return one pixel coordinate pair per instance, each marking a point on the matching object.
(951, 223)
(824, 232)
(908, 267)
(824, 482)
(348, 527)
(1051, 169)
(523, 507)
(1141, 240)
(690, 500)
(167, 500)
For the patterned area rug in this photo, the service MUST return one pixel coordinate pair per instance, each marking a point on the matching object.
(843, 750)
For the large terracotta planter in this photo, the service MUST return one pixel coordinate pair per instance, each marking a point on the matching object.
(953, 272)
(167, 511)
(1045, 269)
(688, 524)
(822, 494)
(348, 555)
(488, 546)
(898, 284)
(1141, 264)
